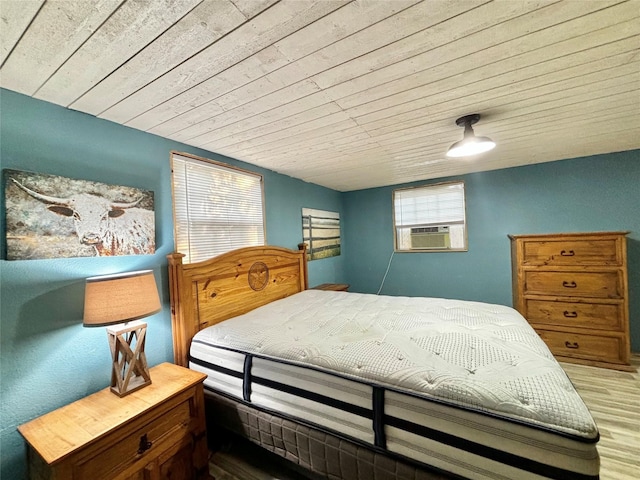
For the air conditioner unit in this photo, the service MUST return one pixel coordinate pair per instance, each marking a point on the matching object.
(425, 238)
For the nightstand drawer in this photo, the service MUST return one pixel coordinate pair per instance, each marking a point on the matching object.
(573, 284)
(600, 316)
(571, 252)
(589, 347)
(173, 425)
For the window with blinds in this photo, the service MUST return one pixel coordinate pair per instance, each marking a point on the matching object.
(217, 208)
(430, 218)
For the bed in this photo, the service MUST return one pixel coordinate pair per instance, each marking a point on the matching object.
(357, 386)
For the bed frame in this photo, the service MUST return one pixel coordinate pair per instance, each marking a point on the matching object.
(208, 292)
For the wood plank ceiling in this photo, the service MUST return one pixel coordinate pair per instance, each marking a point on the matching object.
(345, 94)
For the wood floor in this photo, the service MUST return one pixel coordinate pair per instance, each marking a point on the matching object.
(612, 397)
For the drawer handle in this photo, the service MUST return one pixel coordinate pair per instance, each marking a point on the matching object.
(571, 345)
(570, 253)
(144, 445)
(569, 284)
(570, 314)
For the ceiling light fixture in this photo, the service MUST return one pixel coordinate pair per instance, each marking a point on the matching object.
(470, 144)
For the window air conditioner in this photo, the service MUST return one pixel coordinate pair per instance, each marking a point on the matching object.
(424, 238)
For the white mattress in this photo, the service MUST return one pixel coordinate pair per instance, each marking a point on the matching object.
(465, 386)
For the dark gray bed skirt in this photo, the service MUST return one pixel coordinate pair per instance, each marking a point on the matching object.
(312, 449)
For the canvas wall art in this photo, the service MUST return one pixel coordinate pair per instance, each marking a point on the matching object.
(48, 216)
(321, 233)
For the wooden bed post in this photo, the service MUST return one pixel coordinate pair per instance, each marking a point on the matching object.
(179, 327)
(303, 246)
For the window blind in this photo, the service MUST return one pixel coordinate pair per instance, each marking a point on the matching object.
(430, 205)
(420, 212)
(217, 208)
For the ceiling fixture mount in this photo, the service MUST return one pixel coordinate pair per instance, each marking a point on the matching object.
(470, 144)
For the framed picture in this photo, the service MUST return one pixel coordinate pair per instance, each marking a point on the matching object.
(321, 233)
(48, 216)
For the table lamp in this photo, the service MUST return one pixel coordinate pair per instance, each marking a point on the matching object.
(118, 302)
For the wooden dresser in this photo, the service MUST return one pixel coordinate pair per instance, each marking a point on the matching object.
(572, 288)
(157, 432)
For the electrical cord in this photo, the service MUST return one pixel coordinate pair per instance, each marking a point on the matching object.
(385, 273)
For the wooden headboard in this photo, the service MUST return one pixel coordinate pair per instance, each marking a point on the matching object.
(208, 292)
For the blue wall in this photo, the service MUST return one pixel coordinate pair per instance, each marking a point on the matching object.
(47, 359)
(600, 193)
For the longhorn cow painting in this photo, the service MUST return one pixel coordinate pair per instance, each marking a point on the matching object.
(49, 216)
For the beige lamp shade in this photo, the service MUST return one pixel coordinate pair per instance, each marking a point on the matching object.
(120, 298)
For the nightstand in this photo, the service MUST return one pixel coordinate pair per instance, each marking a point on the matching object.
(334, 287)
(154, 433)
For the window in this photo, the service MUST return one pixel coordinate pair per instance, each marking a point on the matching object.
(430, 218)
(217, 208)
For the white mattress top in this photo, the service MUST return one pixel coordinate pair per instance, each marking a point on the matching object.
(476, 355)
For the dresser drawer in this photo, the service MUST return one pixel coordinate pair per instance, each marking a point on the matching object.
(600, 316)
(573, 284)
(571, 252)
(588, 347)
(173, 424)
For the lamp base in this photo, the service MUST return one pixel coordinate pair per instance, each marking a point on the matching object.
(130, 371)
